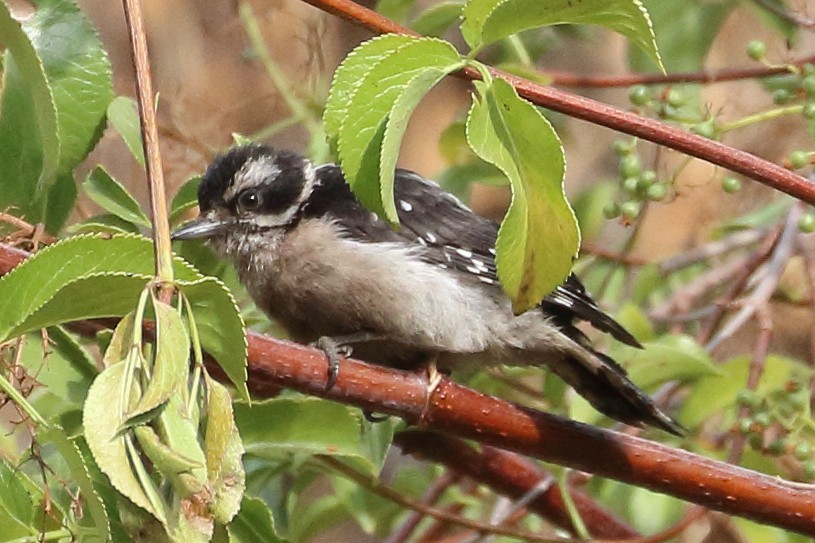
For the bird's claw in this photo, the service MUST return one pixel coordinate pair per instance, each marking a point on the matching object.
(333, 351)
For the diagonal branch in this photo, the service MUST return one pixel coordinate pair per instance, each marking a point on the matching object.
(458, 411)
(735, 160)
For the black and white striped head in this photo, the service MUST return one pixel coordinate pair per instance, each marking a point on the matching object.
(250, 188)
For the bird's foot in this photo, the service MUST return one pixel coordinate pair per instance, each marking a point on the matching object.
(336, 347)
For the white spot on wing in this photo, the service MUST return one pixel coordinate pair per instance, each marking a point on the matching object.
(487, 280)
(473, 270)
(492, 251)
(465, 253)
(430, 237)
(405, 205)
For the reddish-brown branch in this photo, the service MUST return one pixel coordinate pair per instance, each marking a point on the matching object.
(455, 410)
(514, 476)
(430, 497)
(566, 79)
(579, 107)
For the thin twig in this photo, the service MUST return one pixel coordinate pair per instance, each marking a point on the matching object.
(735, 160)
(789, 16)
(149, 133)
(566, 79)
(431, 495)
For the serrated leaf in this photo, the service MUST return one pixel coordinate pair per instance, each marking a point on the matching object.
(220, 423)
(29, 139)
(435, 20)
(668, 358)
(366, 157)
(105, 223)
(185, 199)
(103, 416)
(220, 327)
(272, 427)
(395, 126)
(487, 21)
(349, 75)
(170, 363)
(253, 523)
(169, 462)
(113, 197)
(123, 116)
(50, 124)
(98, 522)
(121, 342)
(539, 236)
(684, 33)
(82, 259)
(16, 507)
(179, 432)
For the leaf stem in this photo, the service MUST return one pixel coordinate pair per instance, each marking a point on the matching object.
(21, 402)
(53, 535)
(761, 117)
(149, 131)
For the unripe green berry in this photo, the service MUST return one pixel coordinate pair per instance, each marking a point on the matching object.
(639, 95)
(803, 451)
(809, 110)
(782, 96)
(808, 85)
(799, 159)
(630, 166)
(630, 210)
(731, 184)
(622, 147)
(806, 223)
(611, 210)
(748, 398)
(756, 49)
(777, 447)
(706, 129)
(675, 98)
(762, 419)
(648, 178)
(631, 185)
(657, 192)
(745, 426)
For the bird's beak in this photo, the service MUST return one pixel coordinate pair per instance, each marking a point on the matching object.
(205, 226)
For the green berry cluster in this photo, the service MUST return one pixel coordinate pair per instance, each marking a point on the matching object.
(772, 427)
(637, 185)
(673, 104)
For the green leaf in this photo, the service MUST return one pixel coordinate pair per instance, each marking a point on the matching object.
(185, 199)
(348, 77)
(179, 432)
(223, 449)
(377, 113)
(171, 361)
(113, 197)
(435, 20)
(103, 416)
(487, 21)
(54, 101)
(718, 392)
(123, 116)
(684, 33)
(283, 425)
(29, 141)
(668, 358)
(83, 261)
(220, 327)
(169, 462)
(98, 522)
(253, 523)
(16, 507)
(539, 236)
(105, 223)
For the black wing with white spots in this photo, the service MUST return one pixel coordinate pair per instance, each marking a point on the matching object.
(453, 237)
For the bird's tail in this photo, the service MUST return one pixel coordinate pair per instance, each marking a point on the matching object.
(605, 384)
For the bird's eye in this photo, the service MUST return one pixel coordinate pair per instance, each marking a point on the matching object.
(249, 200)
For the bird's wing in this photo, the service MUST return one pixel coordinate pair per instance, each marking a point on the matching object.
(450, 235)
